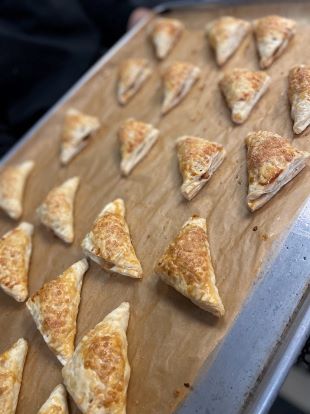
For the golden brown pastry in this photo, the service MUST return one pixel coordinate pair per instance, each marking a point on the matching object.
(242, 90)
(56, 402)
(299, 96)
(77, 130)
(132, 75)
(98, 373)
(186, 265)
(272, 35)
(54, 309)
(136, 139)
(198, 160)
(12, 184)
(165, 34)
(56, 211)
(225, 35)
(15, 253)
(272, 163)
(109, 244)
(11, 372)
(178, 80)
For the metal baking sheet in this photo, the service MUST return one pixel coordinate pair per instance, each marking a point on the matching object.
(274, 300)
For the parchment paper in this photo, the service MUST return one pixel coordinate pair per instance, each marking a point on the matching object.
(169, 338)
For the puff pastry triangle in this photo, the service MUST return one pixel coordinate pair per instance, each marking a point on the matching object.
(11, 371)
(272, 163)
(272, 35)
(109, 244)
(299, 96)
(54, 309)
(132, 75)
(186, 265)
(56, 402)
(77, 129)
(242, 90)
(15, 253)
(165, 34)
(98, 373)
(178, 80)
(198, 160)
(56, 211)
(136, 139)
(12, 184)
(225, 36)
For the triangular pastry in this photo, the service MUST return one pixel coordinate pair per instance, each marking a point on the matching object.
(77, 130)
(272, 163)
(11, 372)
(299, 96)
(242, 90)
(272, 35)
(132, 75)
(178, 80)
(98, 373)
(15, 253)
(109, 244)
(56, 211)
(186, 265)
(225, 35)
(136, 139)
(198, 160)
(165, 34)
(12, 184)
(56, 402)
(54, 309)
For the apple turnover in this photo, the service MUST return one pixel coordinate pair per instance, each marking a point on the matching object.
(272, 34)
(54, 309)
(198, 160)
(299, 96)
(12, 185)
(56, 211)
(186, 266)
(109, 244)
(178, 80)
(15, 253)
(242, 89)
(225, 35)
(272, 162)
(98, 373)
(165, 34)
(11, 372)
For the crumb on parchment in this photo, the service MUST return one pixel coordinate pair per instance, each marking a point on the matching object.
(176, 393)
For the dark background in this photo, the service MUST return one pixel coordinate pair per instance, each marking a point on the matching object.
(45, 48)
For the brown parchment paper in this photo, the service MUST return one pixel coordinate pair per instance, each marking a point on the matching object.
(169, 338)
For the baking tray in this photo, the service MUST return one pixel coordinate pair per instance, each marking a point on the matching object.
(245, 371)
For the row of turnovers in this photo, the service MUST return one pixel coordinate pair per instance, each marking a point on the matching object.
(272, 162)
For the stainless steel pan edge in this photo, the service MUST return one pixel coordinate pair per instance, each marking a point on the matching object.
(188, 4)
